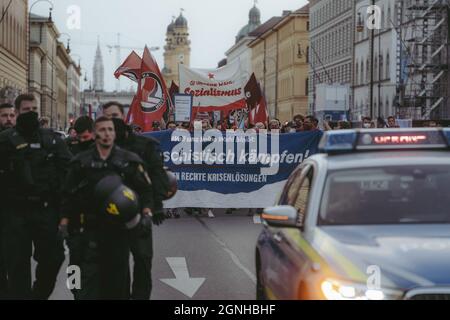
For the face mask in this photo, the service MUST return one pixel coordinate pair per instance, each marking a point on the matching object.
(121, 129)
(367, 125)
(28, 123)
(86, 144)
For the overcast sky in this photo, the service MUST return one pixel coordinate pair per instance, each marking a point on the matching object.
(213, 25)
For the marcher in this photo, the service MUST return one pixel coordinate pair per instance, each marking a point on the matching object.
(149, 150)
(7, 121)
(34, 163)
(104, 183)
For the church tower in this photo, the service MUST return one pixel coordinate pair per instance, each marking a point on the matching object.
(99, 70)
(177, 49)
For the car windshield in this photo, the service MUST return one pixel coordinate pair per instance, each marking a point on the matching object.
(388, 195)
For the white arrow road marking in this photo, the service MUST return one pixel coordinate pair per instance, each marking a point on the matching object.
(182, 282)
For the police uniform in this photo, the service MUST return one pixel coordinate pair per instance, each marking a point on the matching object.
(142, 248)
(75, 240)
(3, 278)
(105, 256)
(33, 169)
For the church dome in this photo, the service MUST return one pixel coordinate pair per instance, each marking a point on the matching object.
(255, 15)
(171, 27)
(253, 23)
(181, 21)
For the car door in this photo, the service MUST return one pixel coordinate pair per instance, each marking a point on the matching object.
(292, 242)
(268, 244)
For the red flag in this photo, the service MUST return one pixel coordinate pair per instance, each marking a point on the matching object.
(256, 102)
(131, 68)
(173, 90)
(152, 98)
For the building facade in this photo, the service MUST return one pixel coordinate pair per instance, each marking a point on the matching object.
(240, 51)
(177, 49)
(384, 86)
(280, 62)
(43, 58)
(63, 62)
(13, 49)
(331, 45)
(73, 91)
(92, 101)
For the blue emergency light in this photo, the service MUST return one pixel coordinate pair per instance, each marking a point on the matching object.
(343, 141)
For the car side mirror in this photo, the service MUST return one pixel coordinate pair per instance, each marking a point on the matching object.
(281, 217)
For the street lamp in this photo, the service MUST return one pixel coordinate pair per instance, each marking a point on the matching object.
(68, 40)
(50, 9)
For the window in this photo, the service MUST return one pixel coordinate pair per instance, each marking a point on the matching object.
(387, 195)
(306, 86)
(362, 73)
(376, 69)
(291, 188)
(381, 67)
(302, 199)
(367, 71)
(388, 69)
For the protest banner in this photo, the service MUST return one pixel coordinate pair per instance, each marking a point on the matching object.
(241, 170)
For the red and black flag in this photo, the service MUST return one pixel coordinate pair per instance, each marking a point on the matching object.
(152, 98)
(256, 102)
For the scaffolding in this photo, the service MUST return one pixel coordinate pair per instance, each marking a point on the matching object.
(422, 59)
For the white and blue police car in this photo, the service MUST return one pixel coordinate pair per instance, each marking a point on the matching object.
(368, 218)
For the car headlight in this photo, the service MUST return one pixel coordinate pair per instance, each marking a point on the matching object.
(339, 290)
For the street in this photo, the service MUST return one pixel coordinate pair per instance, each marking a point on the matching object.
(218, 252)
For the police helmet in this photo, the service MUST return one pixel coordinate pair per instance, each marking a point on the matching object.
(173, 185)
(118, 204)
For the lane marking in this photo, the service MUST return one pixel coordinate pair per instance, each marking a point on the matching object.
(233, 256)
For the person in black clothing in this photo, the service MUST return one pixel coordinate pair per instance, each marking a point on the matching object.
(33, 165)
(149, 150)
(84, 127)
(105, 258)
(7, 121)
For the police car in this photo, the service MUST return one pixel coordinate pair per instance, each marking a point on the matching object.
(365, 219)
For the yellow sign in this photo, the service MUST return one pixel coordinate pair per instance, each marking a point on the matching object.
(112, 209)
(127, 193)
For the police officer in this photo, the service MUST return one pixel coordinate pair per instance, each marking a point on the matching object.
(84, 128)
(105, 258)
(7, 117)
(148, 149)
(33, 163)
(7, 121)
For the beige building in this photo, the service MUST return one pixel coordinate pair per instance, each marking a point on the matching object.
(54, 77)
(280, 62)
(43, 55)
(63, 62)
(74, 91)
(13, 49)
(177, 49)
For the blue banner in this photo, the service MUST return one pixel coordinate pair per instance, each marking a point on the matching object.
(239, 167)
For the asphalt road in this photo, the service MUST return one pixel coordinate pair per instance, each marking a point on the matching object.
(200, 258)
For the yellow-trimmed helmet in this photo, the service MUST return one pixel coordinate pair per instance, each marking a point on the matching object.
(117, 203)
